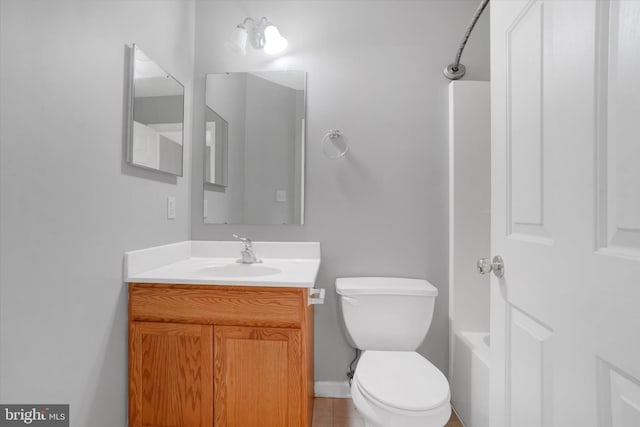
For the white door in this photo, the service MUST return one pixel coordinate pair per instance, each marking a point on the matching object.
(565, 318)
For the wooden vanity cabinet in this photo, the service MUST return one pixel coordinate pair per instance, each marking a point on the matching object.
(221, 356)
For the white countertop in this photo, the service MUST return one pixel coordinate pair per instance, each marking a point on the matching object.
(285, 264)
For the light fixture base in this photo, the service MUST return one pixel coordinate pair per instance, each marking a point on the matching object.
(454, 74)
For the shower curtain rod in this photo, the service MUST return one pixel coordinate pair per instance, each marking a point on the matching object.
(456, 70)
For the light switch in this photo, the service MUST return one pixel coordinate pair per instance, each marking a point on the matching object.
(171, 207)
(205, 212)
(281, 195)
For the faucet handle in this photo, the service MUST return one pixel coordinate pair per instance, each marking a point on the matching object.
(248, 257)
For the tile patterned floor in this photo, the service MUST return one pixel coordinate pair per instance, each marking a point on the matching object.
(341, 413)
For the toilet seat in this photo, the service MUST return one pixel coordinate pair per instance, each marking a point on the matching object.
(401, 382)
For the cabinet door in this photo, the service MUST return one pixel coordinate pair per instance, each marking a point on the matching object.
(257, 377)
(170, 375)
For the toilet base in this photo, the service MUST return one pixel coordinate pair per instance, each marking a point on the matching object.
(375, 416)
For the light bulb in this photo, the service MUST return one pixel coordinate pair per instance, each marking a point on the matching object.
(274, 42)
(238, 41)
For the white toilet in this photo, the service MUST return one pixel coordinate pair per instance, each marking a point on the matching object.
(388, 318)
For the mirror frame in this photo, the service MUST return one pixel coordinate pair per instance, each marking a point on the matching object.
(130, 113)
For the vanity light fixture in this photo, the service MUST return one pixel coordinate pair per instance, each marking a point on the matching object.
(261, 34)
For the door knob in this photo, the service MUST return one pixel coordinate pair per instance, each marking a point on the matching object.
(486, 266)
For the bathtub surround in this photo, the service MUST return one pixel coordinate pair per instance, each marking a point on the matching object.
(470, 377)
(469, 238)
(374, 71)
(469, 203)
(69, 204)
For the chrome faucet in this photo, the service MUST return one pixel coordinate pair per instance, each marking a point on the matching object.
(248, 257)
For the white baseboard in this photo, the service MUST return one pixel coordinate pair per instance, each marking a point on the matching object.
(338, 389)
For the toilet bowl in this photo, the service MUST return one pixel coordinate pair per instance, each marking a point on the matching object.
(393, 385)
(400, 389)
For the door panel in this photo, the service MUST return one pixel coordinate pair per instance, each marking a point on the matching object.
(171, 375)
(565, 323)
(257, 377)
(529, 371)
(524, 120)
(619, 157)
(619, 398)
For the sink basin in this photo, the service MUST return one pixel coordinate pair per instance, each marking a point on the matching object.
(238, 270)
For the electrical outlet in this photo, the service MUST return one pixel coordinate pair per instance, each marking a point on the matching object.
(171, 207)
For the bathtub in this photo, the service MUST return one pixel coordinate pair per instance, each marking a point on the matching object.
(470, 378)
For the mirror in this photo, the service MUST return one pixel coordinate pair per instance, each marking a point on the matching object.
(254, 148)
(156, 116)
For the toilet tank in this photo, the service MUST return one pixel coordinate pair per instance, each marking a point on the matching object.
(386, 313)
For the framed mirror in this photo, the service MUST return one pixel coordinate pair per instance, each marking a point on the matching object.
(156, 116)
(254, 148)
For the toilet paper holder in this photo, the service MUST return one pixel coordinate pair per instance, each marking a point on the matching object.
(316, 296)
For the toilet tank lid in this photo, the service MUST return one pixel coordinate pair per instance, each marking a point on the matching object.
(384, 286)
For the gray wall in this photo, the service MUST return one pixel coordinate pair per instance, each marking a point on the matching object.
(374, 72)
(69, 206)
